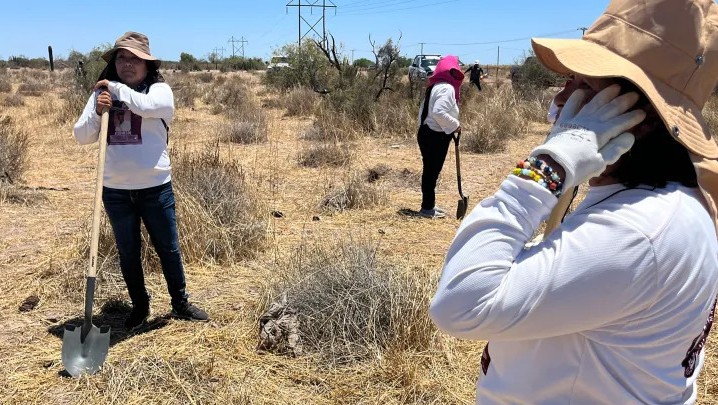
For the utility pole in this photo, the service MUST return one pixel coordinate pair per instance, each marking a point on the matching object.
(498, 52)
(233, 41)
(311, 4)
(422, 48)
(353, 55)
(583, 30)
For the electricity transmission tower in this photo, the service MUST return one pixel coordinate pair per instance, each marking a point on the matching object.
(311, 4)
(241, 47)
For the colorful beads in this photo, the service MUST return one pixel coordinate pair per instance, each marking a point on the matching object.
(540, 172)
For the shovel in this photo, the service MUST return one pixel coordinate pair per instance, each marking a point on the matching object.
(559, 211)
(464, 201)
(85, 348)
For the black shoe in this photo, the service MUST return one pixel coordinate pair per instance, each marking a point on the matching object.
(137, 317)
(189, 311)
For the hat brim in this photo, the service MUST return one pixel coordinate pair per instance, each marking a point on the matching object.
(107, 56)
(681, 116)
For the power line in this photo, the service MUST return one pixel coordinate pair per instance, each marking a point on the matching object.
(361, 12)
(501, 41)
(380, 4)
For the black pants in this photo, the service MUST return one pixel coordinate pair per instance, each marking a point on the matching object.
(433, 146)
(478, 84)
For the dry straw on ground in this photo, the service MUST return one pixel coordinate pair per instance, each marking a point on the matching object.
(239, 258)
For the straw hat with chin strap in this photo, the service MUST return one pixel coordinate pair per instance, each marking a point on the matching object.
(134, 42)
(669, 49)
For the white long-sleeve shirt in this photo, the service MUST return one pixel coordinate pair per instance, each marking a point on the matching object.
(443, 114)
(137, 155)
(602, 311)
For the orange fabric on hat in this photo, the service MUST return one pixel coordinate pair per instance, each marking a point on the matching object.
(668, 49)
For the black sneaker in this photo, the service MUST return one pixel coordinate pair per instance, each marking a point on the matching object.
(190, 312)
(137, 317)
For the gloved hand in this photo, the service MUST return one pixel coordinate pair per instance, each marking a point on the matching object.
(585, 140)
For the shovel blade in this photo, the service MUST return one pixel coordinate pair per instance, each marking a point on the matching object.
(84, 357)
(461, 207)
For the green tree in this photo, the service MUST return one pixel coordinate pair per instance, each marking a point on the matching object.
(363, 63)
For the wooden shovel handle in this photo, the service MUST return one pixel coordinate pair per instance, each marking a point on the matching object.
(97, 210)
(554, 220)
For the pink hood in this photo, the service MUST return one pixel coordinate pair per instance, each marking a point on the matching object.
(442, 74)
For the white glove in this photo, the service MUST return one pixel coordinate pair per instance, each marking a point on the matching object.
(585, 140)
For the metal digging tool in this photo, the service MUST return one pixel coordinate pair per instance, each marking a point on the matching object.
(85, 348)
(464, 201)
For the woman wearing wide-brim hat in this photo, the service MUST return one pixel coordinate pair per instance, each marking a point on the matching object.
(613, 306)
(137, 177)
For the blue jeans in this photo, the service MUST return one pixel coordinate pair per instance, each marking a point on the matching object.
(155, 207)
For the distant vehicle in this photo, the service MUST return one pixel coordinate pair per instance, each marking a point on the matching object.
(423, 66)
(278, 62)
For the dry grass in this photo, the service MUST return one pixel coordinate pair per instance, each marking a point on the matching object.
(14, 150)
(328, 154)
(299, 102)
(177, 362)
(494, 117)
(12, 100)
(351, 305)
(355, 192)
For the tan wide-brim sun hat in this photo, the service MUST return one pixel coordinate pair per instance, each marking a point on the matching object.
(668, 49)
(134, 42)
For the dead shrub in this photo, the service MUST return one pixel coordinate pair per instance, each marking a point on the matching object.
(5, 86)
(351, 306)
(221, 217)
(300, 101)
(248, 129)
(396, 117)
(14, 150)
(378, 172)
(12, 100)
(14, 194)
(32, 89)
(353, 194)
(331, 126)
(233, 97)
(497, 116)
(330, 154)
(204, 77)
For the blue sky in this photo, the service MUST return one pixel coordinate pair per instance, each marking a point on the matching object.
(471, 29)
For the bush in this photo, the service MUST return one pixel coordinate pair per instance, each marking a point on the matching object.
(352, 306)
(33, 89)
(355, 193)
(14, 150)
(532, 75)
(497, 116)
(300, 101)
(5, 86)
(330, 154)
(12, 100)
(231, 96)
(248, 129)
(221, 218)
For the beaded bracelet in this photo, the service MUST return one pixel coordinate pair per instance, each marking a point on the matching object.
(540, 172)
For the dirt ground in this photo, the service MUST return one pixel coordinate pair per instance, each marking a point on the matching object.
(179, 362)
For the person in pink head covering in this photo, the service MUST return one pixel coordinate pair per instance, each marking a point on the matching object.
(438, 121)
